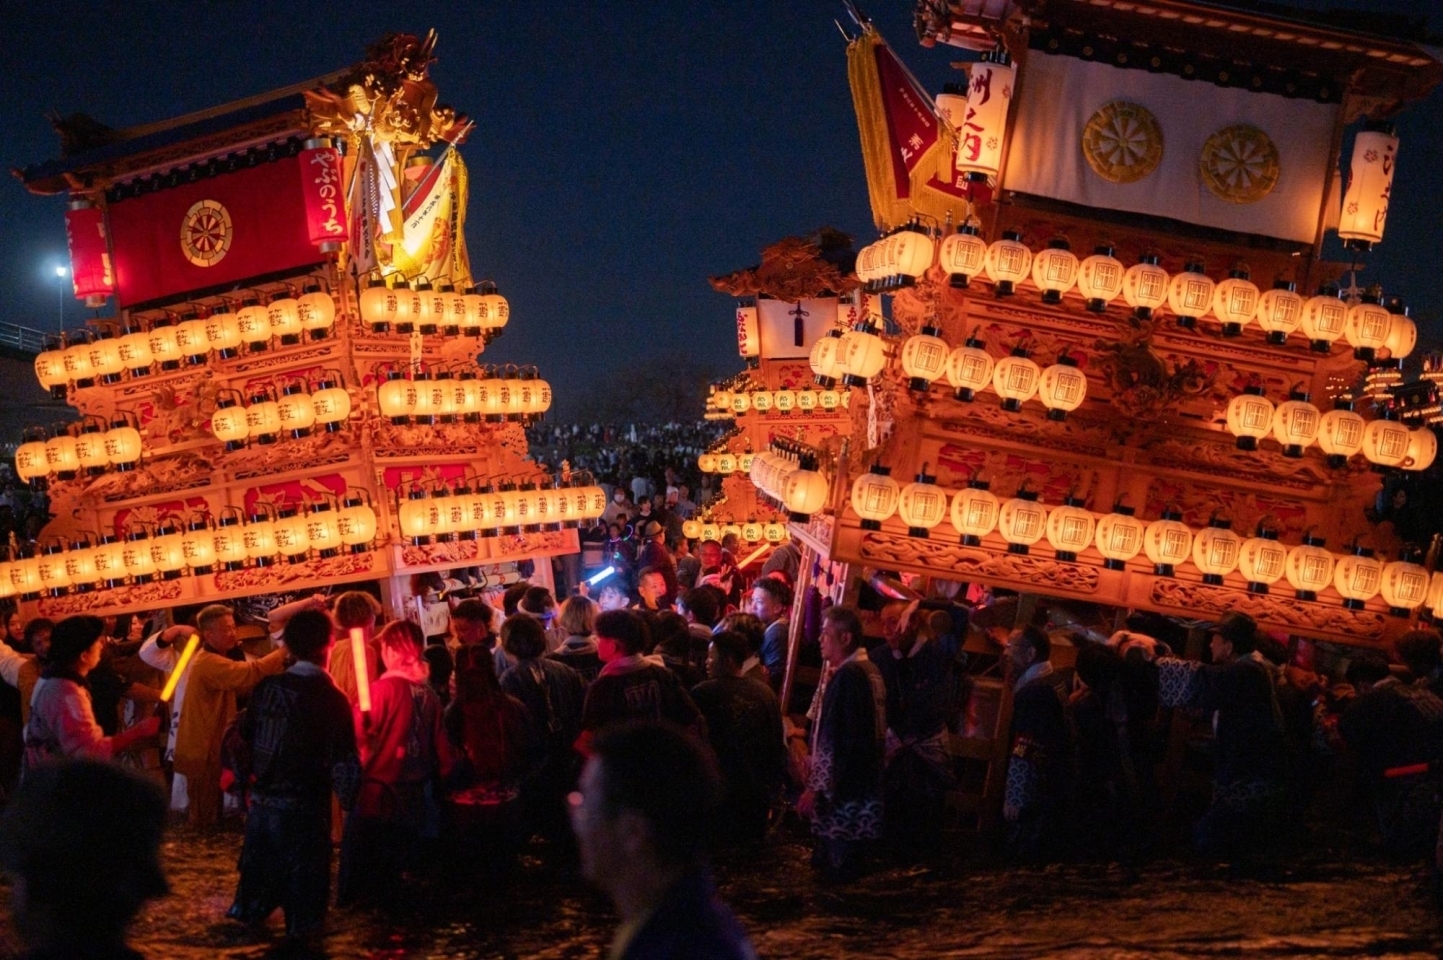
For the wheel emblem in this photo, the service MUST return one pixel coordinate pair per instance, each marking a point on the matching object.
(206, 233)
(1122, 142)
(1239, 164)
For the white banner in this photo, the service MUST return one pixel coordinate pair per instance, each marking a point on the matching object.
(1058, 96)
(789, 329)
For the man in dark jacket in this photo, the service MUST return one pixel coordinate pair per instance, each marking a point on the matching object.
(302, 744)
(641, 815)
(630, 686)
(654, 554)
(1038, 743)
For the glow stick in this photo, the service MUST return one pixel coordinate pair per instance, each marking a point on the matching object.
(755, 553)
(596, 578)
(358, 656)
(180, 666)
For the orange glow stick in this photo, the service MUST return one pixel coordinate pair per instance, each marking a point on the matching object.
(358, 656)
(180, 666)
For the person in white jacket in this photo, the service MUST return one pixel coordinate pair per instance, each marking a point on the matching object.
(162, 651)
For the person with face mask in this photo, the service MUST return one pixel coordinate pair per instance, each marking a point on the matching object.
(619, 510)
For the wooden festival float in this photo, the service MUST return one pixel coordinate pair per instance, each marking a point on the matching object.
(286, 395)
(1115, 368)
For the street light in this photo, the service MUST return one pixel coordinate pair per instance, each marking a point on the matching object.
(60, 273)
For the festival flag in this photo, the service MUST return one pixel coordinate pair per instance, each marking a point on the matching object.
(361, 201)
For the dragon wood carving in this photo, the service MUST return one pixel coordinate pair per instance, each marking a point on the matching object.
(963, 563)
(797, 268)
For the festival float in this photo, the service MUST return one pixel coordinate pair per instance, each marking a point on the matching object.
(1099, 356)
(282, 389)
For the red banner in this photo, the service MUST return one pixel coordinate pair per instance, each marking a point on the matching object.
(219, 230)
(911, 125)
(321, 188)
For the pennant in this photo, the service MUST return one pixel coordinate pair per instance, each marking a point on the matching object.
(361, 199)
(426, 221)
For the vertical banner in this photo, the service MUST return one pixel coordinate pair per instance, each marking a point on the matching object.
(90, 269)
(321, 190)
(749, 344)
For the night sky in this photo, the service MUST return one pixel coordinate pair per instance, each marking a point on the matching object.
(623, 151)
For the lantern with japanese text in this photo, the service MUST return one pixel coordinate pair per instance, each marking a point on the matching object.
(105, 358)
(1119, 537)
(969, 369)
(963, 255)
(914, 249)
(110, 562)
(749, 338)
(378, 305)
(1008, 262)
(198, 545)
(50, 370)
(228, 423)
(61, 457)
(1369, 324)
(90, 448)
(1280, 311)
(1422, 448)
(1022, 521)
(1167, 542)
(332, 403)
(139, 563)
(259, 535)
(1235, 301)
(825, 360)
(321, 187)
(1070, 528)
(80, 566)
(285, 317)
(1262, 560)
(1015, 379)
(1325, 318)
(77, 360)
(229, 542)
(1370, 184)
(134, 347)
(164, 347)
(222, 332)
(1404, 584)
(1190, 294)
(1062, 388)
(1358, 577)
(190, 337)
(1215, 550)
(263, 418)
(317, 311)
(1099, 278)
(1296, 423)
(295, 410)
(806, 490)
(122, 442)
(983, 131)
(90, 268)
(426, 318)
(1340, 432)
(1250, 416)
(1054, 270)
(924, 358)
(866, 355)
(974, 512)
(167, 550)
(54, 578)
(292, 540)
(30, 465)
(874, 496)
(1385, 441)
(1144, 286)
(1309, 567)
(356, 523)
(922, 504)
(1402, 332)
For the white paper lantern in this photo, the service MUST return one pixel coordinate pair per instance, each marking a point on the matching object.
(1369, 324)
(924, 358)
(981, 138)
(1325, 318)
(1099, 278)
(1340, 432)
(1250, 417)
(1235, 301)
(1262, 560)
(963, 255)
(1309, 567)
(1015, 379)
(1167, 542)
(969, 369)
(1215, 551)
(1144, 286)
(1190, 294)
(1022, 521)
(1370, 186)
(1358, 577)
(1404, 585)
(1280, 311)
(1062, 388)
(974, 512)
(1070, 528)
(1296, 423)
(1008, 262)
(1054, 270)
(874, 496)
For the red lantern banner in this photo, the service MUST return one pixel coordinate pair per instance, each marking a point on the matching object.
(90, 268)
(321, 188)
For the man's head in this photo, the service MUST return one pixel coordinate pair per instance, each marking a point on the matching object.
(471, 622)
(1366, 669)
(612, 595)
(1419, 650)
(728, 651)
(524, 637)
(710, 555)
(539, 603)
(841, 634)
(1234, 636)
(308, 635)
(645, 803)
(702, 605)
(37, 636)
(577, 617)
(512, 597)
(619, 633)
(651, 586)
(216, 626)
(356, 608)
(680, 547)
(770, 599)
(401, 643)
(1027, 646)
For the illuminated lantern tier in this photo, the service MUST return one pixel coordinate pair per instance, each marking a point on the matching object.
(190, 337)
(874, 496)
(105, 359)
(1235, 301)
(1215, 551)
(922, 505)
(222, 332)
(1309, 567)
(1167, 542)
(1190, 294)
(1015, 379)
(969, 369)
(285, 317)
(50, 371)
(1369, 323)
(825, 359)
(198, 545)
(1340, 432)
(1325, 317)
(1070, 528)
(229, 543)
(1099, 278)
(1062, 388)
(1296, 423)
(924, 359)
(963, 255)
(1404, 585)
(378, 305)
(259, 536)
(135, 355)
(317, 311)
(1280, 311)
(1358, 577)
(974, 512)
(1054, 270)
(1250, 417)
(1262, 560)
(1008, 263)
(1386, 441)
(1144, 286)
(1022, 521)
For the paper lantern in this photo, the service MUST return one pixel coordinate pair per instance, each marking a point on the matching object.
(924, 358)
(807, 401)
(1119, 537)
(1215, 550)
(122, 444)
(229, 542)
(378, 305)
(79, 567)
(134, 348)
(1262, 560)
(471, 307)
(1325, 318)
(259, 536)
(1167, 542)
(1070, 528)
(356, 523)
(1062, 388)
(25, 577)
(167, 550)
(1280, 311)
(494, 310)
(805, 492)
(980, 138)
(706, 463)
(963, 255)
(1386, 441)
(50, 371)
(396, 398)
(292, 541)
(785, 401)
(1235, 301)
(321, 191)
(1022, 521)
(1054, 270)
(295, 411)
(974, 512)
(1099, 278)
(110, 562)
(1434, 600)
(1250, 417)
(90, 448)
(164, 347)
(190, 338)
(1422, 448)
(54, 578)
(263, 419)
(91, 274)
(317, 311)
(913, 250)
(7, 589)
(1144, 286)
(332, 404)
(1190, 294)
(1404, 585)
(741, 402)
(969, 369)
(691, 529)
(710, 531)
(1340, 432)
(1008, 262)
(1309, 567)
(222, 332)
(105, 358)
(1296, 423)
(1402, 332)
(1370, 185)
(323, 531)
(774, 532)
(61, 458)
(874, 496)
(198, 546)
(77, 361)
(443, 397)
(1015, 379)
(752, 531)
(1369, 323)
(426, 318)
(407, 307)
(453, 317)
(30, 464)
(726, 463)
(417, 519)
(829, 400)
(285, 316)
(1358, 577)
(921, 505)
(825, 359)
(139, 563)
(865, 357)
(228, 423)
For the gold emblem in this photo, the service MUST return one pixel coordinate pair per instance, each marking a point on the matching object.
(1239, 164)
(206, 233)
(1122, 142)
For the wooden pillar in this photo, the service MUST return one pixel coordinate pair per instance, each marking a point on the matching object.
(794, 631)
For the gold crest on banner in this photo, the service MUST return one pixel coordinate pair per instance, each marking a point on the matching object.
(1122, 142)
(1239, 164)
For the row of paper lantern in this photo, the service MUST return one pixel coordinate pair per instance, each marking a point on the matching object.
(418, 308)
(750, 531)
(901, 257)
(193, 340)
(90, 449)
(464, 513)
(785, 401)
(1340, 433)
(299, 409)
(788, 475)
(199, 547)
(1120, 536)
(442, 398)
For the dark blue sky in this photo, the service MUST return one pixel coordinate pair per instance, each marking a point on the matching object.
(623, 151)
